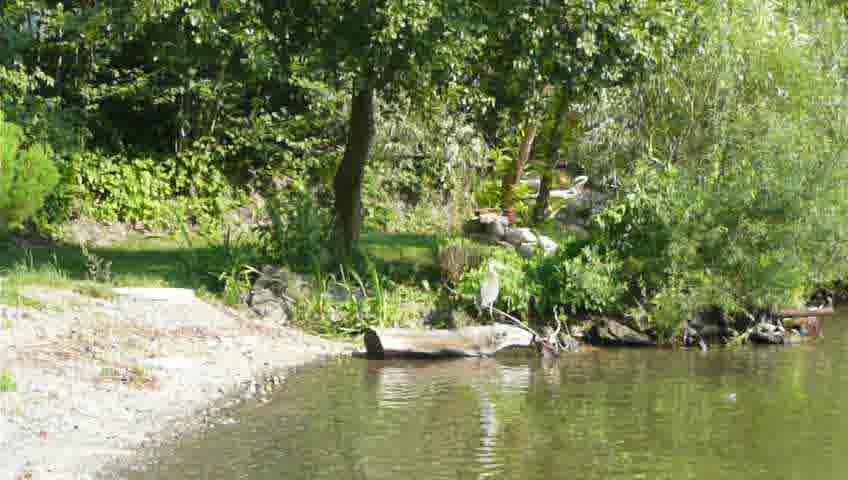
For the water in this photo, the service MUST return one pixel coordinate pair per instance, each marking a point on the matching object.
(752, 413)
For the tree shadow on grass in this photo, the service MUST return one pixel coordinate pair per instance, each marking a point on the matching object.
(403, 257)
(130, 265)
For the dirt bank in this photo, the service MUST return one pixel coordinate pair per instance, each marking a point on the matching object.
(91, 382)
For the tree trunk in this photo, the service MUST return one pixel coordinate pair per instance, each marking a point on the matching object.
(553, 158)
(347, 184)
(517, 172)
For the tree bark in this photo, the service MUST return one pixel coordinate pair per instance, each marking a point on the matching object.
(347, 184)
(517, 171)
(554, 143)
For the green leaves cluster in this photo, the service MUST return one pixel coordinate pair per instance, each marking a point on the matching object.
(27, 175)
(735, 193)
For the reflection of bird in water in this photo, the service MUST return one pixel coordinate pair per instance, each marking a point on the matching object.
(489, 289)
(489, 431)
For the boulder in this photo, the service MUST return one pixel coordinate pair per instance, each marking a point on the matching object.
(270, 307)
(276, 291)
(769, 336)
(711, 324)
(606, 331)
(497, 228)
(490, 217)
(519, 236)
(548, 245)
(284, 283)
(527, 249)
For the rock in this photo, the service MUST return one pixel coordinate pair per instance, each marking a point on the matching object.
(607, 331)
(277, 290)
(548, 245)
(284, 283)
(270, 307)
(490, 217)
(497, 228)
(710, 324)
(765, 333)
(527, 249)
(519, 236)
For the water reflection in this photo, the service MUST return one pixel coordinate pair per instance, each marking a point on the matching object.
(593, 415)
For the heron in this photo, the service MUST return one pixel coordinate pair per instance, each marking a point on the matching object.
(489, 288)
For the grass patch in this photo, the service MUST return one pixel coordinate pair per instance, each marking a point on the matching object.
(403, 257)
(138, 262)
(7, 382)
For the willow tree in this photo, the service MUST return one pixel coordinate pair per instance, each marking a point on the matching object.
(599, 45)
(379, 47)
(572, 49)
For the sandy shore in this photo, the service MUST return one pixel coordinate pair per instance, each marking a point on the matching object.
(96, 381)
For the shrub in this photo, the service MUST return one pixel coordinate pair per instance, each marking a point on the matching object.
(588, 281)
(736, 193)
(298, 236)
(27, 175)
(7, 382)
(515, 291)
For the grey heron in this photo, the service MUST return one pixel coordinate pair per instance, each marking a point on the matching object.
(489, 288)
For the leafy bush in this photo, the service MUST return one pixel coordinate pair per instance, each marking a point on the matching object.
(7, 382)
(161, 191)
(515, 290)
(27, 175)
(735, 194)
(588, 281)
(299, 234)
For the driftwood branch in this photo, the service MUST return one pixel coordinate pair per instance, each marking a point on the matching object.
(478, 341)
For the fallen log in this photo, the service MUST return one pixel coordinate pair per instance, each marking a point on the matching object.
(478, 341)
(797, 313)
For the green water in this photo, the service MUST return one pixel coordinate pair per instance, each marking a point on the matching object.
(752, 413)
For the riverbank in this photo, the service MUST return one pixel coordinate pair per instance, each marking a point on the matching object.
(89, 382)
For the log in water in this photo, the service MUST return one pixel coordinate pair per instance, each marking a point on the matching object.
(477, 341)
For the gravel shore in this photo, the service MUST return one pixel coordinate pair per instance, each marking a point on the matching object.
(94, 382)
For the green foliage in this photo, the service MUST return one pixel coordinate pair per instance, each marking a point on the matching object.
(490, 195)
(299, 236)
(27, 175)
(7, 382)
(735, 193)
(589, 281)
(145, 189)
(513, 274)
